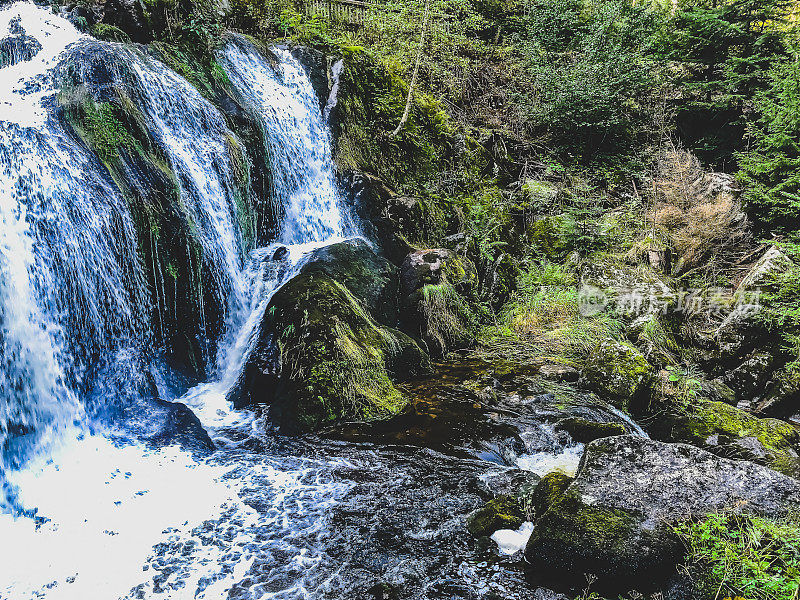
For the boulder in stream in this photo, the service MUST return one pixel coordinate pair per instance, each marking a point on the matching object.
(321, 357)
(615, 520)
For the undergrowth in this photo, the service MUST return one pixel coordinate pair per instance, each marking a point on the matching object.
(745, 556)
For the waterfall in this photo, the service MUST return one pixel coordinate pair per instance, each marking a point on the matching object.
(297, 138)
(280, 96)
(75, 295)
(70, 282)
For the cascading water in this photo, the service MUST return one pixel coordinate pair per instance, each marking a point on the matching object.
(73, 292)
(298, 142)
(281, 97)
(70, 282)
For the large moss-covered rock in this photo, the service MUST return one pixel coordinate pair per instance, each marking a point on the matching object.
(394, 221)
(615, 520)
(320, 357)
(620, 374)
(728, 431)
(370, 278)
(435, 285)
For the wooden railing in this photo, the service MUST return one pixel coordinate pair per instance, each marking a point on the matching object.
(353, 12)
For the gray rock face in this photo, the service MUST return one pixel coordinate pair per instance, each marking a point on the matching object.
(615, 520)
(774, 262)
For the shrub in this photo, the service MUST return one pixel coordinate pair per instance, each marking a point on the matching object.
(745, 556)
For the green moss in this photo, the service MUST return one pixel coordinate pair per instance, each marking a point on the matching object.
(548, 235)
(547, 492)
(335, 359)
(110, 33)
(448, 320)
(581, 530)
(619, 373)
(371, 101)
(503, 512)
(98, 123)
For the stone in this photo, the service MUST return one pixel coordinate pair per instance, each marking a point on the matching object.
(720, 428)
(584, 430)
(749, 379)
(559, 373)
(619, 374)
(435, 286)
(547, 492)
(321, 358)
(503, 512)
(615, 520)
(763, 273)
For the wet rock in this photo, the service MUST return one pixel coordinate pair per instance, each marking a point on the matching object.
(559, 373)
(547, 492)
(620, 374)
(393, 221)
(721, 429)
(321, 358)
(615, 519)
(584, 430)
(373, 280)
(503, 512)
(178, 425)
(317, 67)
(434, 284)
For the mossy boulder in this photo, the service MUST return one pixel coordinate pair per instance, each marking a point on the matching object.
(436, 286)
(615, 520)
(584, 430)
(503, 512)
(621, 375)
(395, 222)
(321, 358)
(728, 431)
(373, 280)
(547, 492)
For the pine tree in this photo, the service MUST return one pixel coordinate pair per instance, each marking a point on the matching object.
(770, 171)
(724, 50)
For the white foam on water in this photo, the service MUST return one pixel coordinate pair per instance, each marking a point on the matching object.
(28, 82)
(105, 507)
(566, 460)
(510, 541)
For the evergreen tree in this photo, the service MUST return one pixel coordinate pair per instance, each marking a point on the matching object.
(770, 170)
(723, 51)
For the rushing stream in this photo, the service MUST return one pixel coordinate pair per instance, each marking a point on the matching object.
(89, 510)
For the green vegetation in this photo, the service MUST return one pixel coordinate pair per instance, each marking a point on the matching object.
(745, 556)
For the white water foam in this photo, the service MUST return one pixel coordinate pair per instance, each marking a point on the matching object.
(510, 541)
